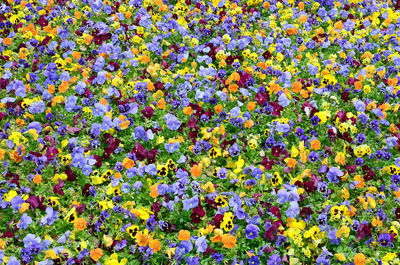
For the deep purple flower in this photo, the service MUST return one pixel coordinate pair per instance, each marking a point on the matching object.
(183, 248)
(254, 260)
(252, 231)
(217, 257)
(234, 150)
(375, 126)
(333, 174)
(379, 154)
(280, 240)
(385, 239)
(359, 161)
(313, 156)
(315, 120)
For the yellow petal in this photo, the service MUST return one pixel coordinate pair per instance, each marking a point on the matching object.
(50, 254)
(108, 240)
(372, 202)
(294, 152)
(340, 256)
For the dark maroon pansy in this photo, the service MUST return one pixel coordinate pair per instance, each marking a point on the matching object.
(42, 21)
(306, 211)
(98, 161)
(80, 208)
(148, 112)
(4, 83)
(268, 249)
(8, 234)
(351, 169)
(261, 98)
(71, 176)
(267, 163)
(58, 187)
(51, 153)
(156, 207)
(35, 202)
(85, 190)
(363, 231)
(271, 233)
(309, 186)
(370, 175)
(197, 214)
(276, 211)
(218, 219)
(276, 150)
(397, 213)
(345, 96)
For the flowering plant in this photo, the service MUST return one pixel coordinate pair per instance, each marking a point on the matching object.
(199, 132)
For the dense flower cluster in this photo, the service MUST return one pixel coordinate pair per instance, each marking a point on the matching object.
(199, 132)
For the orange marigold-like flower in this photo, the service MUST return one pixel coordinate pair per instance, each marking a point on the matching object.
(142, 239)
(96, 254)
(359, 259)
(228, 241)
(80, 224)
(155, 245)
(184, 235)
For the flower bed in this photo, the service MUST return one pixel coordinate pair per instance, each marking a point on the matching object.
(189, 132)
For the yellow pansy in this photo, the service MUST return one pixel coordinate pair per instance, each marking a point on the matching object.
(16, 137)
(343, 231)
(108, 240)
(62, 176)
(313, 232)
(340, 256)
(113, 260)
(10, 195)
(105, 204)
